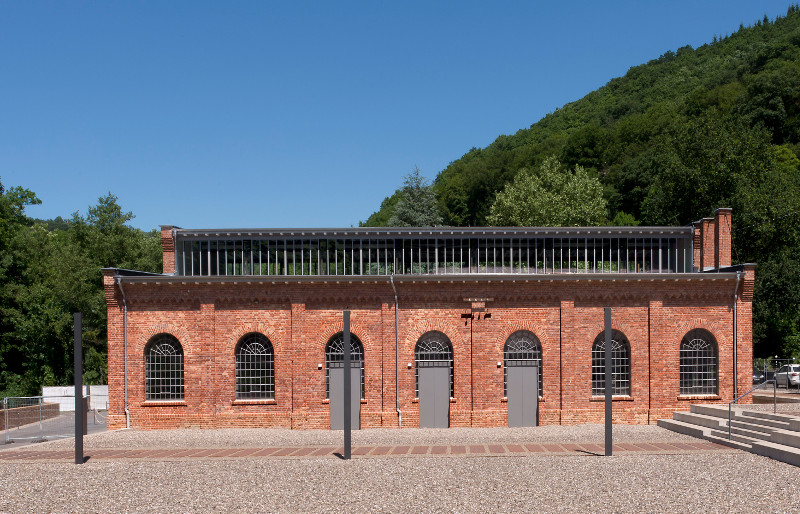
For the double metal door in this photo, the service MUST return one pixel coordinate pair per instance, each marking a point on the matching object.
(336, 394)
(523, 395)
(434, 395)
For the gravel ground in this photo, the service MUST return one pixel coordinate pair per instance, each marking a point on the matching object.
(256, 437)
(721, 481)
(645, 483)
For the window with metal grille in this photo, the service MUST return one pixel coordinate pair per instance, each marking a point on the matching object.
(433, 350)
(522, 349)
(334, 358)
(163, 368)
(698, 363)
(620, 364)
(255, 368)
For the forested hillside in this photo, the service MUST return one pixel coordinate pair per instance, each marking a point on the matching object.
(50, 269)
(671, 141)
(667, 144)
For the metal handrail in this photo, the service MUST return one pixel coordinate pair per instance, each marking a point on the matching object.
(736, 400)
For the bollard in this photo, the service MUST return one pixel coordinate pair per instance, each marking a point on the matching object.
(5, 414)
(80, 411)
(347, 389)
(609, 384)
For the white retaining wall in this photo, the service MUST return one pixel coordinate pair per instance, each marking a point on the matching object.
(65, 396)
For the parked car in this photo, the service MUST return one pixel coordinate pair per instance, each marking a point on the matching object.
(758, 377)
(789, 374)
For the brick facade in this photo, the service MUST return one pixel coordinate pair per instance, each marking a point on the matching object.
(565, 312)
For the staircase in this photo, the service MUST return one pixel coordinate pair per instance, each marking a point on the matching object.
(772, 435)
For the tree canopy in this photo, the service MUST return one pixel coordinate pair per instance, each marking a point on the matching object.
(416, 203)
(550, 196)
(50, 269)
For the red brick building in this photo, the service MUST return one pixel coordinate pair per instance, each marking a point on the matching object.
(244, 327)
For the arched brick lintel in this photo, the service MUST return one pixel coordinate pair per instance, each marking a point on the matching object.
(249, 328)
(164, 328)
(714, 328)
(357, 328)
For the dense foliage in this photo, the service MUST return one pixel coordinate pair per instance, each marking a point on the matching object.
(416, 204)
(51, 269)
(550, 196)
(670, 142)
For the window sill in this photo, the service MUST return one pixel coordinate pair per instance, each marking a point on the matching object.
(416, 400)
(164, 403)
(504, 399)
(255, 402)
(691, 397)
(327, 400)
(613, 399)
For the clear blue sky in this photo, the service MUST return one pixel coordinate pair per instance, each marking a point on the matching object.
(298, 114)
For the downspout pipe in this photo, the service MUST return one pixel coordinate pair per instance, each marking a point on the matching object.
(125, 346)
(396, 356)
(736, 335)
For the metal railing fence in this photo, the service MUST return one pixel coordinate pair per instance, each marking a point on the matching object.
(736, 400)
(36, 418)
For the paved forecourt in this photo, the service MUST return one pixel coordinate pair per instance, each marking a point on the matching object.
(483, 450)
(586, 440)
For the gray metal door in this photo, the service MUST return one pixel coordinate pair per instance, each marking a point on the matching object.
(434, 396)
(523, 396)
(337, 397)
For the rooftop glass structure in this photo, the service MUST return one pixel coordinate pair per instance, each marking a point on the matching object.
(433, 251)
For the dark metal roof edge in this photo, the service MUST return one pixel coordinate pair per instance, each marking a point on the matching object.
(731, 269)
(499, 277)
(122, 272)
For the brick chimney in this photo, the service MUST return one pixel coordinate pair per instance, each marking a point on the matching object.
(722, 242)
(708, 253)
(168, 248)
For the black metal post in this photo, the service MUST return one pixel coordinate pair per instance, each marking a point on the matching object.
(347, 389)
(609, 382)
(80, 417)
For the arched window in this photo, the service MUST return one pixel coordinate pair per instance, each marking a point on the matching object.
(620, 364)
(334, 358)
(163, 368)
(255, 368)
(522, 349)
(433, 349)
(698, 363)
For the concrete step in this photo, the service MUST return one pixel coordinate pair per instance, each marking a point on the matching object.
(756, 427)
(786, 438)
(683, 427)
(780, 421)
(793, 421)
(747, 431)
(719, 411)
(745, 441)
(783, 453)
(700, 419)
(733, 443)
(776, 436)
(768, 415)
(767, 425)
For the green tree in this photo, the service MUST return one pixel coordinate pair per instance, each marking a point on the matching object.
(380, 218)
(550, 196)
(14, 276)
(776, 311)
(53, 273)
(416, 204)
